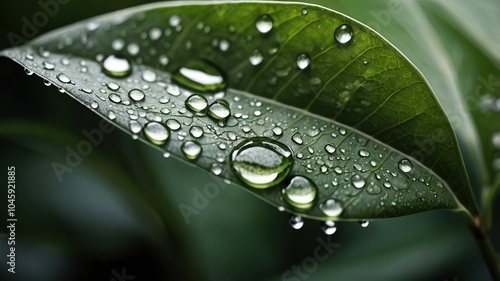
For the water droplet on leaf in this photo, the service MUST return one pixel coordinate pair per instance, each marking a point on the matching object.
(405, 165)
(303, 61)
(200, 76)
(156, 132)
(328, 227)
(296, 221)
(300, 192)
(136, 95)
(343, 34)
(191, 149)
(331, 208)
(116, 66)
(219, 109)
(264, 23)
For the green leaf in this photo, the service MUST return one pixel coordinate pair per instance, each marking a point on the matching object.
(302, 106)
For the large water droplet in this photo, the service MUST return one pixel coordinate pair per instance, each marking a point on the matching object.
(358, 181)
(115, 98)
(261, 162)
(191, 149)
(200, 76)
(156, 132)
(116, 66)
(264, 23)
(136, 95)
(173, 124)
(331, 208)
(343, 34)
(303, 61)
(405, 165)
(219, 109)
(328, 227)
(197, 104)
(300, 192)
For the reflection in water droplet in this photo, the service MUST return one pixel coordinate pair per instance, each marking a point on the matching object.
(303, 61)
(405, 165)
(63, 78)
(343, 34)
(156, 132)
(136, 95)
(255, 57)
(328, 227)
(300, 192)
(296, 221)
(358, 181)
(191, 149)
(116, 66)
(219, 109)
(200, 76)
(261, 162)
(264, 23)
(331, 208)
(197, 104)
(196, 132)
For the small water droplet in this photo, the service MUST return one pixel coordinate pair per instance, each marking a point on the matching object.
(364, 223)
(255, 57)
(277, 131)
(113, 86)
(200, 76)
(330, 149)
(94, 104)
(363, 153)
(136, 95)
(135, 126)
(331, 208)
(174, 20)
(216, 169)
(224, 45)
(173, 124)
(196, 132)
(405, 165)
(111, 115)
(116, 66)
(48, 65)
(365, 62)
(197, 104)
(156, 132)
(154, 33)
(300, 192)
(219, 109)
(261, 162)
(48, 83)
(343, 34)
(63, 78)
(296, 221)
(297, 138)
(304, 11)
(191, 149)
(264, 23)
(328, 227)
(149, 76)
(358, 181)
(115, 98)
(303, 60)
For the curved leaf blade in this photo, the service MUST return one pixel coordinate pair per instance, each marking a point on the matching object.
(361, 95)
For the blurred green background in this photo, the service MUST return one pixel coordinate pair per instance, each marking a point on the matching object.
(119, 210)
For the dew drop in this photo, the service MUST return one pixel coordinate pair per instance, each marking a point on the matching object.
(255, 57)
(296, 221)
(154, 33)
(191, 149)
(173, 124)
(343, 34)
(219, 109)
(63, 78)
(261, 162)
(197, 104)
(405, 165)
(277, 131)
(216, 169)
(111, 115)
(156, 132)
(149, 76)
(328, 227)
(264, 23)
(363, 153)
(300, 192)
(196, 132)
(135, 126)
(358, 181)
(330, 149)
(28, 72)
(331, 208)
(304, 11)
(116, 66)
(297, 138)
(303, 60)
(174, 20)
(94, 104)
(364, 223)
(200, 76)
(48, 65)
(48, 83)
(115, 98)
(136, 95)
